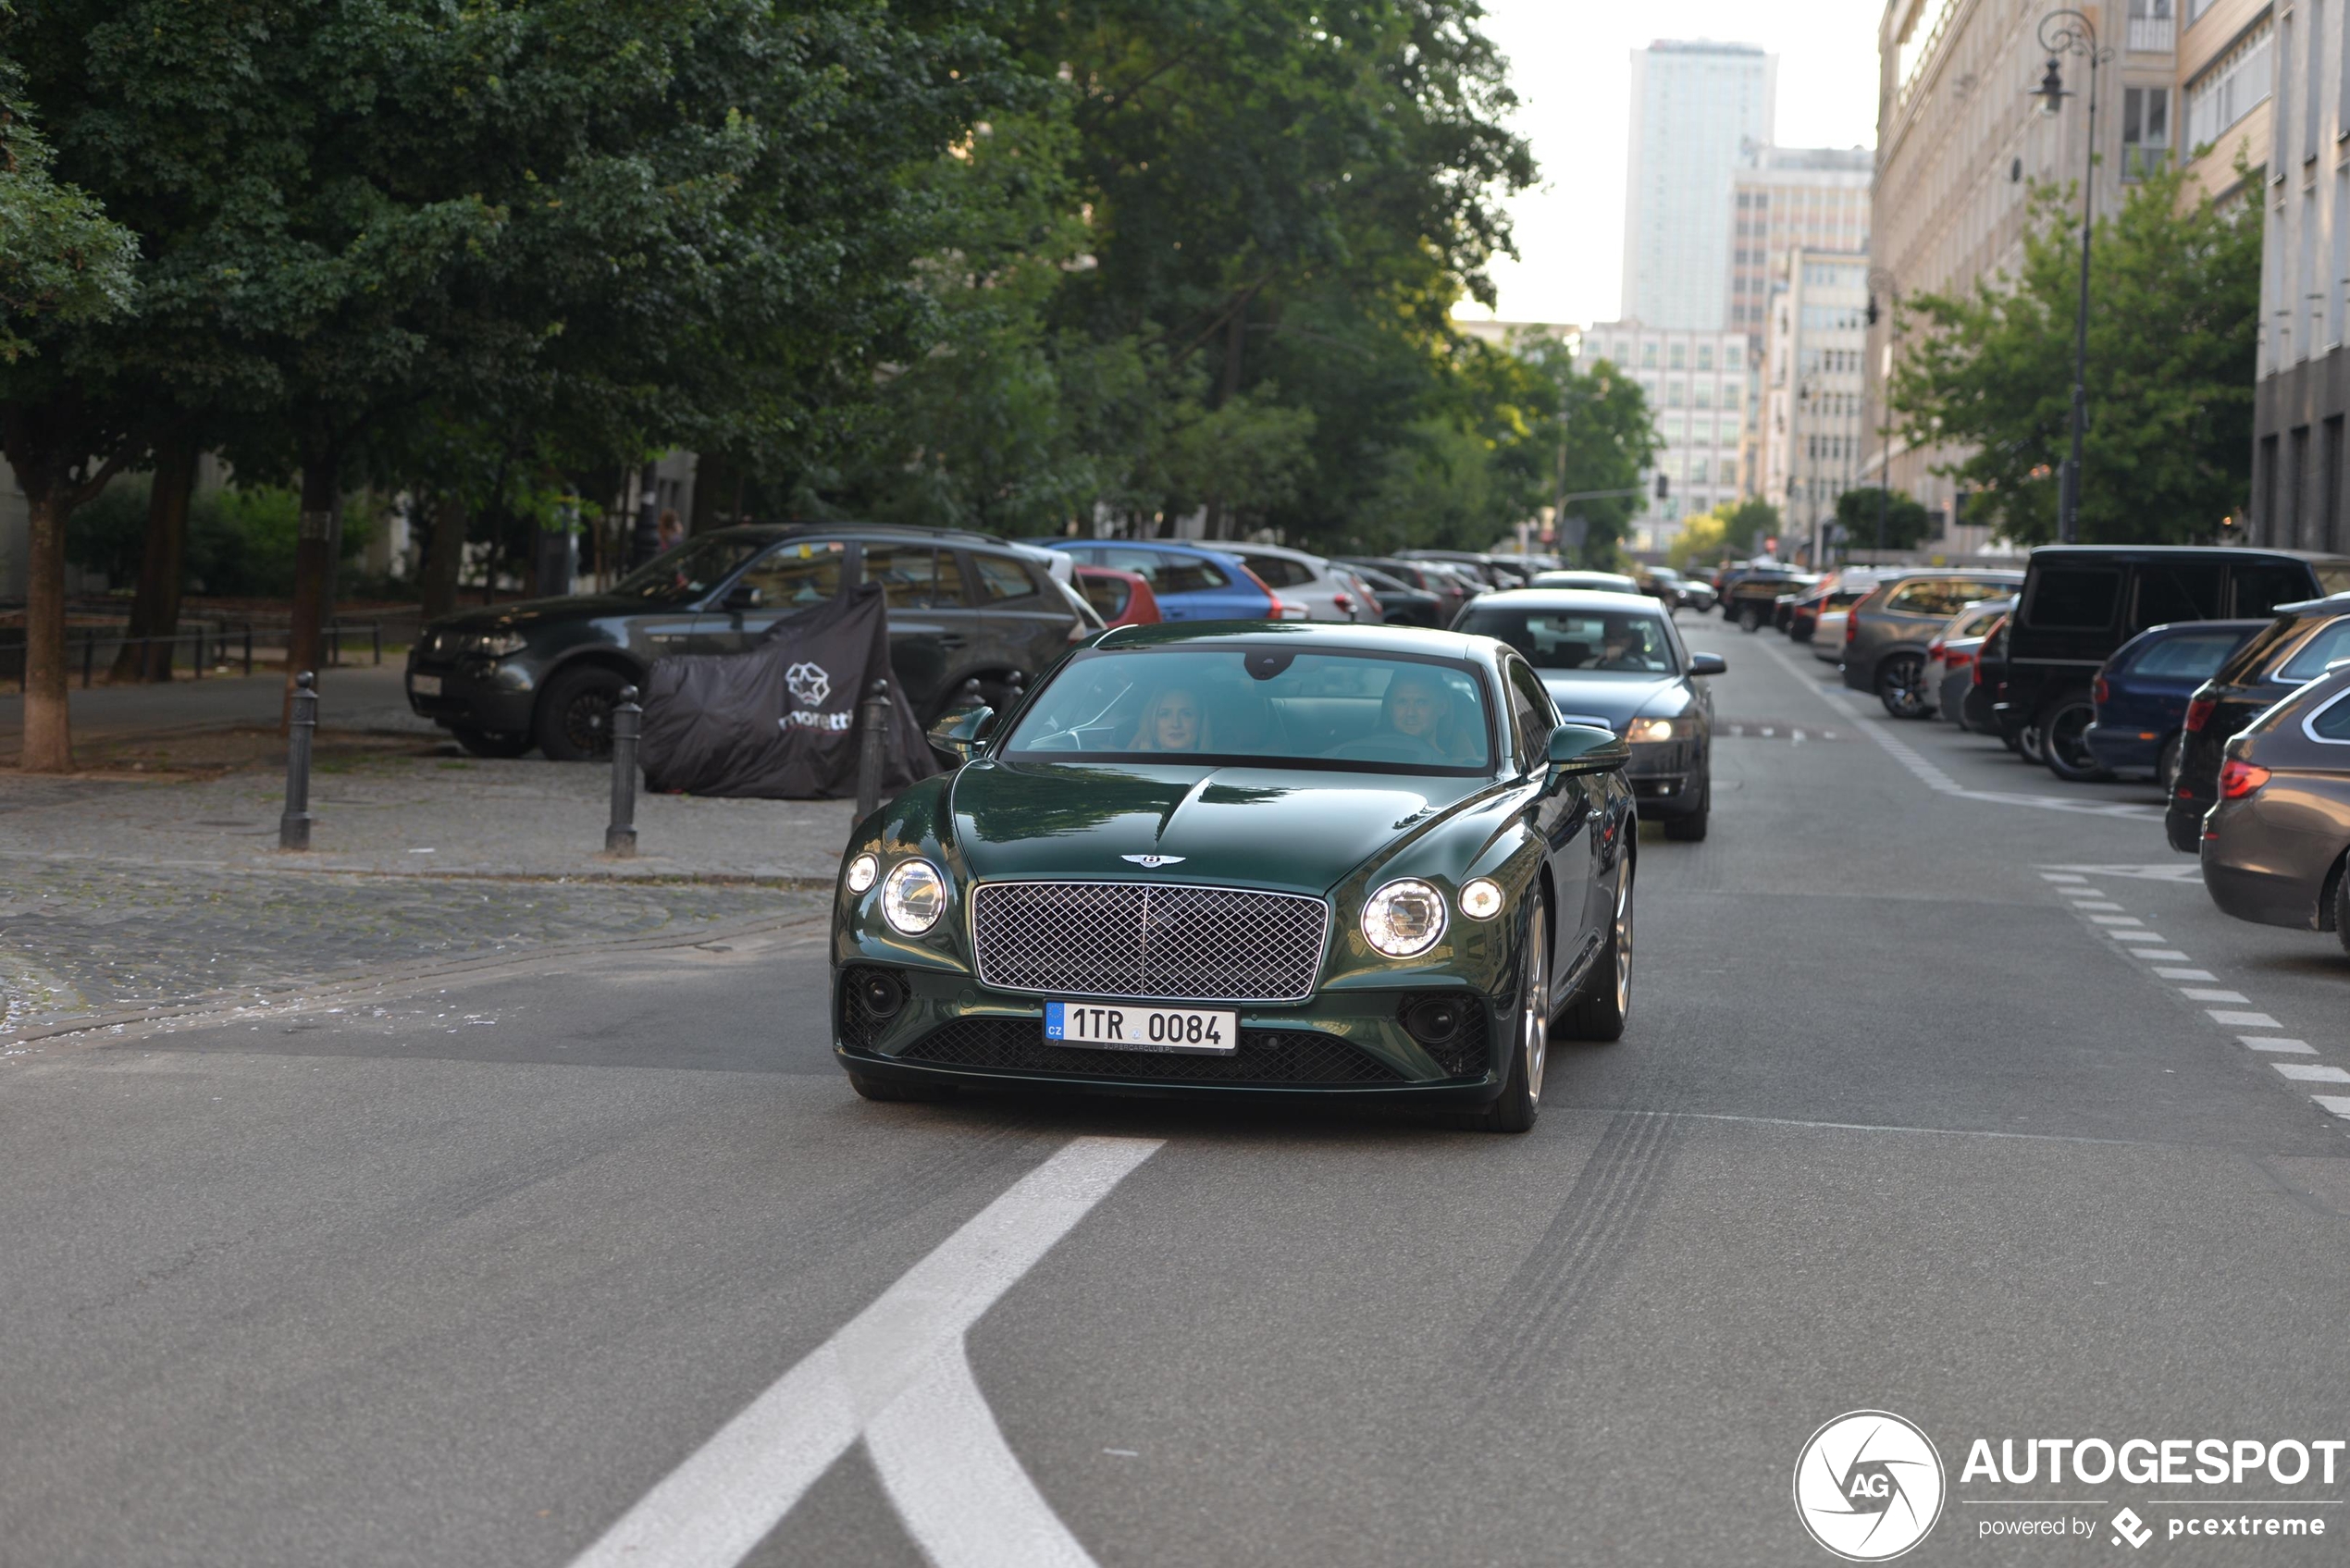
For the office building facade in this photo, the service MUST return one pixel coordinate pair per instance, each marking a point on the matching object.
(1698, 389)
(1810, 431)
(1697, 110)
(1786, 199)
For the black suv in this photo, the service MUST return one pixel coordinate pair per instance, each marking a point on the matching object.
(2080, 603)
(546, 672)
(2295, 647)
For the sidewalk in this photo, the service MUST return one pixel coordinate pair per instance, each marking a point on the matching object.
(359, 696)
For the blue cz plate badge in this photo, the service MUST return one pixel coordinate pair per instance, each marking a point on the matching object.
(1106, 1026)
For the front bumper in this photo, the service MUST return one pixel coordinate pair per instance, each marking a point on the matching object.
(948, 1028)
(475, 693)
(1668, 778)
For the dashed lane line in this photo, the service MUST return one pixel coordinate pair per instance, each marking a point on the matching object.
(2312, 1072)
(2275, 1042)
(896, 1375)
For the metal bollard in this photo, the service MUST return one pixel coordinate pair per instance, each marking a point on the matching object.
(293, 825)
(627, 721)
(873, 719)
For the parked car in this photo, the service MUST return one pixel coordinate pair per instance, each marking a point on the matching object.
(1310, 580)
(1190, 582)
(1587, 582)
(1450, 590)
(2276, 844)
(2141, 695)
(1951, 656)
(1829, 620)
(1991, 675)
(2298, 646)
(1399, 603)
(1673, 590)
(1488, 570)
(1750, 598)
(1605, 660)
(1887, 631)
(1121, 598)
(1425, 869)
(2080, 603)
(1839, 591)
(546, 672)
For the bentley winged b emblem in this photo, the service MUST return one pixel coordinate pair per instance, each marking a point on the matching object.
(1152, 863)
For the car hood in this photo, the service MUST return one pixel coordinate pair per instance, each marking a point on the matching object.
(1615, 698)
(1265, 827)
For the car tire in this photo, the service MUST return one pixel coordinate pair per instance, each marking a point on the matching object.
(575, 714)
(2342, 903)
(1521, 1098)
(491, 743)
(1750, 619)
(1900, 685)
(2165, 761)
(1691, 828)
(2028, 745)
(1602, 1011)
(881, 1092)
(2063, 723)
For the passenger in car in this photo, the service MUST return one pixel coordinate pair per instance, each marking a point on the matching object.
(1421, 706)
(1172, 721)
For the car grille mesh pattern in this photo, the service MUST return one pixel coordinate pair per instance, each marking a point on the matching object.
(1289, 1056)
(1148, 941)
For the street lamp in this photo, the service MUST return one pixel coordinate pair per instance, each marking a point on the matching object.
(1880, 278)
(2070, 32)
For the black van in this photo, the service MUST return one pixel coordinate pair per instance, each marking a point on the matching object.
(2080, 603)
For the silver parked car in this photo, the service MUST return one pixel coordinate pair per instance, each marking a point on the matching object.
(1329, 592)
(1885, 634)
(1949, 657)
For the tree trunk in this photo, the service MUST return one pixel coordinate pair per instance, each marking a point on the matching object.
(154, 610)
(321, 500)
(48, 729)
(444, 555)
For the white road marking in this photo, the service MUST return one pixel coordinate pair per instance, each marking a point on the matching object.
(2186, 869)
(2242, 1020)
(2338, 1103)
(2193, 993)
(2169, 954)
(2186, 974)
(2061, 876)
(2094, 904)
(2135, 936)
(2276, 1042)
(2311, 1072)
(2116, 920)
(711, 1510)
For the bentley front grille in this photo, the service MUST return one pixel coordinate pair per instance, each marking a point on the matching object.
(1159, 941)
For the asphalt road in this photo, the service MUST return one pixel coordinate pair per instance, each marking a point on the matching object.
(598, 1260)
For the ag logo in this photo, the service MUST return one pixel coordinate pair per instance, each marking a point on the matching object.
(808, 685)
(1868, 1486)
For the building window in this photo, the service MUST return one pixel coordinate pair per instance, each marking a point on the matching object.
(2238, 82)
(1705, 356)
(2146, 131)
(1679, 353)
(1648, 356)
(2150, 25)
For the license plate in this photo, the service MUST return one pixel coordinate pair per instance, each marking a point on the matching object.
(1101, 1026)
(424, 685)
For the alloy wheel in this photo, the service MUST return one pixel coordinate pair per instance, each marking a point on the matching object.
(1534, 1015)
(1897, 686)
(1624, 942)
(587, 722)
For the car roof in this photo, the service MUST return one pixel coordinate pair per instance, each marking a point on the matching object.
(2332, 604)
(1335, 635)
(767, 533)
(1181, 547)
(1569, 599)
(2158, 551)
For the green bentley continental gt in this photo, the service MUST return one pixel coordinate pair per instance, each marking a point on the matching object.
(1254, 858)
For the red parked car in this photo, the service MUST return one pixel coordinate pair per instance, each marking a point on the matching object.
(1124, 598)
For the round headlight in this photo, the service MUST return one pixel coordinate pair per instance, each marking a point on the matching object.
(1481, 899)
(861, 872)
(1404, 918)
(914, 897)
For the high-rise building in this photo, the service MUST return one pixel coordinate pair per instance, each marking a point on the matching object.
(1810, 433)
(1695, 108)
(1699, 393)
(2299, 399)
(1785, 199)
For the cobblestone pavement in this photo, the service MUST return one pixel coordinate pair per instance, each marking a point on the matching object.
(78, 940)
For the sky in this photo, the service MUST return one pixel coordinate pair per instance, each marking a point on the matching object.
(1570, 62)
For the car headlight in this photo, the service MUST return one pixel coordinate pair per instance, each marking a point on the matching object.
(913, 896)
(1481, 899)
(497, 645)
(1649, 729)
(1404, 918)
(861, 872)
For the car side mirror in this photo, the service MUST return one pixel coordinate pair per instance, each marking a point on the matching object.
(1707, 664)
(1586, 748)
(958, 734)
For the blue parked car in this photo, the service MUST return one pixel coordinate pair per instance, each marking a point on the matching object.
(1190, 582)
(2141, 695)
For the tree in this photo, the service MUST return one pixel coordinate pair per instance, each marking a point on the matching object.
(2174, 308)
(1906, 521)
(1745, 524)
(1701, 542)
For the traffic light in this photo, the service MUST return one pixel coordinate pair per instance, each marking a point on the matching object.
(1663, 488)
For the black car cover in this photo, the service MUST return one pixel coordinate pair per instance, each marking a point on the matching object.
(779, 721)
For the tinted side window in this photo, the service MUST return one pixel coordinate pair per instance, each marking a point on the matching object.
(793, 575)
(1108, 595)
(1934, 597)
(2333, 723)
(1001, 577)
(1531, 711)
(1279, 571)
(2177, 590)
(2261, 586)
(2193, 658)
(2329, 645)
(2073, 598)
(915, 576)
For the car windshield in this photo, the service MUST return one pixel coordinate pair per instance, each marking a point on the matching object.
(1602, 641)
(1265, 705)
(685, 574)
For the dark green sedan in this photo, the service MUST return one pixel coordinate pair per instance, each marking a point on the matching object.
(1247, 858)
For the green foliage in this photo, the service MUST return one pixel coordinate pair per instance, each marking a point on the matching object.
(241, 542)
(2175, 308)
(1906, 521)
(1745, 524)
(63, 262)
(1702, 541)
